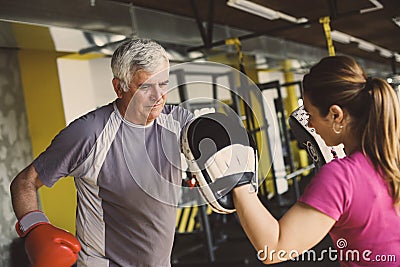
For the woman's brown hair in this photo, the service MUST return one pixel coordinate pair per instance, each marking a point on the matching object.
(373, 106)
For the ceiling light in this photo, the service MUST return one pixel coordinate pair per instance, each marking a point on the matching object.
(263, 11)
(396, 20)
(385, 53)
(345, 38)
(254, 8)
(397, 57)
(292, 19)
(341, 37)
(363, 45)
(376, 4)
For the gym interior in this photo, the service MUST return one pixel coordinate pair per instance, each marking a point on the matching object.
(55, 66)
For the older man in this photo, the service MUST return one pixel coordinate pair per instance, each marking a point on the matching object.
(125, 158)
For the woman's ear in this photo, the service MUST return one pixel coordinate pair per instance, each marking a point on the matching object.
(117, 87)
(336, 113)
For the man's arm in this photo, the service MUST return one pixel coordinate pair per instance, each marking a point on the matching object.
(24, 191)
(45, 244)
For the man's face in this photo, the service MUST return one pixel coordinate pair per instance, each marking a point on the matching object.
(147, 95)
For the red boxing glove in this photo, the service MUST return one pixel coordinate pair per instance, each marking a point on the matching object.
(45, 244)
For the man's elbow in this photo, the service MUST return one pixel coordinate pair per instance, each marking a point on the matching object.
(14, 185)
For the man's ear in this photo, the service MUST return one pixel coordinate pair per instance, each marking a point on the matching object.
(336, 113)
(117, 87)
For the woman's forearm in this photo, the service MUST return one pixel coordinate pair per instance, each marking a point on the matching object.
(260, 226)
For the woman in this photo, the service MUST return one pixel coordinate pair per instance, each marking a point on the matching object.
(355, 199)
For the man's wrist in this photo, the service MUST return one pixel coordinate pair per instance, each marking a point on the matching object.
(29, 221)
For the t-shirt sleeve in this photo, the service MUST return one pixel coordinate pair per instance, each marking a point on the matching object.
(180, 114)
(184, 116)
(328, 190)
(67, 150)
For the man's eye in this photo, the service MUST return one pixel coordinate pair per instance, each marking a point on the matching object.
(145, 86)
(163, 84)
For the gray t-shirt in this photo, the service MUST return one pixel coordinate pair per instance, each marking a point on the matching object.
(127, 178)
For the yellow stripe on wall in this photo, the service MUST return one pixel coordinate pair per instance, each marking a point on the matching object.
(46, 118)
(87, 56)
(300, 156)
(45, 114)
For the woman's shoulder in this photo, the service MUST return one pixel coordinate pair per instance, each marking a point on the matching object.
(352, 160)
(354, 165)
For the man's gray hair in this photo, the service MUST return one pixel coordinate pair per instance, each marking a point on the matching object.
(136, 54)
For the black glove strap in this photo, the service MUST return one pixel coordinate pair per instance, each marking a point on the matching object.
(224, 185)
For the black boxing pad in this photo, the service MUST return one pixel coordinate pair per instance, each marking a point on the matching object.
(315, 146)
(221, 155)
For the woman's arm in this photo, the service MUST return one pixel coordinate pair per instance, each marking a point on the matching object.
(301, 228)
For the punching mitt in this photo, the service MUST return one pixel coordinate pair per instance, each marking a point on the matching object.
(45, 244)
(221, 155)
(311, 141)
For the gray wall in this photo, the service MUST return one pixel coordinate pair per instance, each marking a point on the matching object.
(15, 146)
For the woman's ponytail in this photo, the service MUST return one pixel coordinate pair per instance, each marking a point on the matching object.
(381, 136)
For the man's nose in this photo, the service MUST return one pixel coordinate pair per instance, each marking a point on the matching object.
(156, 92)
